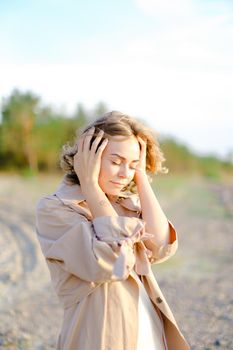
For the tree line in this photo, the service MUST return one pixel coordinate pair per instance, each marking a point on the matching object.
(32, 134)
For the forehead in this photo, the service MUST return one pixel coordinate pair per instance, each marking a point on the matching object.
(127, 147)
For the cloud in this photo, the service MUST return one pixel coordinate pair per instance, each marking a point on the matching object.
(174, 8)
(202, 40)
(166, 10)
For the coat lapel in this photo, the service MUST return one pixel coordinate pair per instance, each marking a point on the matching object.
(72, 196)
(157, 296)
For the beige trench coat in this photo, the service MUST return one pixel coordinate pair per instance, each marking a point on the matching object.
(90, 262)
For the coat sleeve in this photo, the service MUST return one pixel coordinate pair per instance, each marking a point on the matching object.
(100, 250)
(162, 252)
(156, 253)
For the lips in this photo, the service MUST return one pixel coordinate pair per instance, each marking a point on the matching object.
(118, 184)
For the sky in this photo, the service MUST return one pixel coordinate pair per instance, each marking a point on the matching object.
(168, 62)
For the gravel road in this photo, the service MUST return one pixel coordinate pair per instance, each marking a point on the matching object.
(197, 281)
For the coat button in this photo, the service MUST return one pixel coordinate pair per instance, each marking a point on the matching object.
(92, 284)
(159, 300)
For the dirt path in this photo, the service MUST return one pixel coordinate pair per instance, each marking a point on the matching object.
(26, 297)
(196, 281)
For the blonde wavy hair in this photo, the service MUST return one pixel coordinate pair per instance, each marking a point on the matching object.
(116, 123)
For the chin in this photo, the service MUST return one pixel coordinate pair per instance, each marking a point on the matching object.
(109, 190)
(113, 192)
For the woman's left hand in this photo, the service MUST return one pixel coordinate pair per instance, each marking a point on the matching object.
(141, 166)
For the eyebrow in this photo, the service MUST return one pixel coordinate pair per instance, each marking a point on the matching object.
(118, 155)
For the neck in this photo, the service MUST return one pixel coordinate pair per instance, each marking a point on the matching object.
(112, 198)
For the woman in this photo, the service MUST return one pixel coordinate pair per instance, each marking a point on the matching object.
(100, 232)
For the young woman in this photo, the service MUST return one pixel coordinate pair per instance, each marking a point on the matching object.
(100, 232)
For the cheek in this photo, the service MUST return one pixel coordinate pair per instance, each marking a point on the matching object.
(106, 169)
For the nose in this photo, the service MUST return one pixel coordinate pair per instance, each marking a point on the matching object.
(124, 171)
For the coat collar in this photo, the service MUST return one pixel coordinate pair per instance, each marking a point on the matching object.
(71, 195)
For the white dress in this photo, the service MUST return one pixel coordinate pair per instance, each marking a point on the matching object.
(150, 326)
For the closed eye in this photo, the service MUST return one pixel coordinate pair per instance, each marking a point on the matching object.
(120, 164)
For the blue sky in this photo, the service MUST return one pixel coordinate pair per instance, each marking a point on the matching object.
(169, 62)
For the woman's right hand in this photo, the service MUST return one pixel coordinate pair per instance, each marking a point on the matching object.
(87, 161)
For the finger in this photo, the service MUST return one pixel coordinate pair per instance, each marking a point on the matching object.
(97, 141)
(87, 140)
(80, 144)
(142, 143)
(81, 139)
(141, 140)
(101, 148)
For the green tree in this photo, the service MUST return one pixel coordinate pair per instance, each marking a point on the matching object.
(80, 115)
(100, 109)
(18, 119)
(52, 131)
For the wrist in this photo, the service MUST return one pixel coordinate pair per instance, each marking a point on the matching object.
(91, 189)
(97, 201)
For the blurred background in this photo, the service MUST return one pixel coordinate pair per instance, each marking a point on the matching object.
(167, 63)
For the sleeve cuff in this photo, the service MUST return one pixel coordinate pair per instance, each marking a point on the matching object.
(117, 228)
(164, 251)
